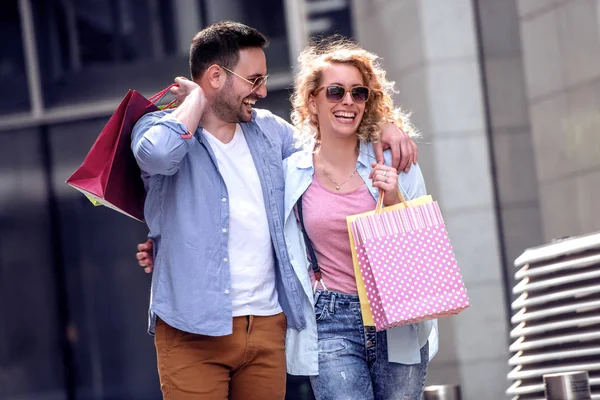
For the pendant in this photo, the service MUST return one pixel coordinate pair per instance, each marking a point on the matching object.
(337, 187)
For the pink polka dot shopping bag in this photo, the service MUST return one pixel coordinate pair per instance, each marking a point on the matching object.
(405, 265)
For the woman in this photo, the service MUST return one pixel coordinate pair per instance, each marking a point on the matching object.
(341, 98)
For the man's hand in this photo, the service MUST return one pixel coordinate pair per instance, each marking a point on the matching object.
(183, 89)
(145, 255)
(192, 101)
(404, 149)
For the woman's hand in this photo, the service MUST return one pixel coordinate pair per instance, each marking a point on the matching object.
(386, 179)
(145, 255)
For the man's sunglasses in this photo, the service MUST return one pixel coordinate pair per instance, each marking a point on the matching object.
(256, 83)
(335, 94)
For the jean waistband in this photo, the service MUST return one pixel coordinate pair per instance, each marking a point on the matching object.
(335, 297)
(338, 295)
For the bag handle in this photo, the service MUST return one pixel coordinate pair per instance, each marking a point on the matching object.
(379, 207)
(157, 98)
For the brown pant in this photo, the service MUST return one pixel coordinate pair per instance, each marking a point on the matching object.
(248, 364)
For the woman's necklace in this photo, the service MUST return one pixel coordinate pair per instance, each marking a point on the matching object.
(338, 185)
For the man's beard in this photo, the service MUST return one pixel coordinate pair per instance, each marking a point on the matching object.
(227, 108)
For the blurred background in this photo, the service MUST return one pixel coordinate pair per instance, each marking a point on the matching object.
(506, 93)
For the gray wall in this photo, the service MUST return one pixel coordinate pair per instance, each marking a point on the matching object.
(509, 130)
(561, 58)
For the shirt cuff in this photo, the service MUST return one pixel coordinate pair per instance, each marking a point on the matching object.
(176, 126)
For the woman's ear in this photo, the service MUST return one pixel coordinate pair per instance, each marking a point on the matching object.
(312, 104)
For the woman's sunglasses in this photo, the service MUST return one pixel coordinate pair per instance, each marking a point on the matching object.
(335, 94)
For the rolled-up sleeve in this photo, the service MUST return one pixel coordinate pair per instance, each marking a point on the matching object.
(157, 144)
(413, 183)
(288, 141)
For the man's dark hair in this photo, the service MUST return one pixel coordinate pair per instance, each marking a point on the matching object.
(220, 43)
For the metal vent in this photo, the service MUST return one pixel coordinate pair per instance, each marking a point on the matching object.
(556, 316)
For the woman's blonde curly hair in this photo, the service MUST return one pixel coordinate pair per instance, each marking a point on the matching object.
(378, 109)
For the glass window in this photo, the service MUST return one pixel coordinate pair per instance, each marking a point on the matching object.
(13, 76)
(268, 16)
(30, 334)
(329, 17)
(96, 50)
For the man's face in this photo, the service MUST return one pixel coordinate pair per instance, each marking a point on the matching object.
(233, 103)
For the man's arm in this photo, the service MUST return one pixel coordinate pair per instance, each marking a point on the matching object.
(404, 150)
(288, 140)
(192, 101)
(270, 122)
(159, 144)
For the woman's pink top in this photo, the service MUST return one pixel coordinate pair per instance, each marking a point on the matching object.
(325, 215)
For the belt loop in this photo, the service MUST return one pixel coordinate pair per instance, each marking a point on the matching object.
(317, 295)
(250, 323)
(332, 304)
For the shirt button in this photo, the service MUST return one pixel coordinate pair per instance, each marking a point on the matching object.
(224, 200)
(225, 259)
(224, 230)
(227, 291)
(369, 343)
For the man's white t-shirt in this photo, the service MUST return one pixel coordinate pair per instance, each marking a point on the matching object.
(251, 258)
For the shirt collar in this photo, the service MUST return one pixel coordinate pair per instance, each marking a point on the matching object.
(305, 157)
(366, 156)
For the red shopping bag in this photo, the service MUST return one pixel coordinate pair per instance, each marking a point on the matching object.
(109, 174)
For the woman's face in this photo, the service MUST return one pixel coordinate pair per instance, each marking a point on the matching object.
(339, 118)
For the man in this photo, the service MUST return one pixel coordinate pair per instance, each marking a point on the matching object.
(223, 289)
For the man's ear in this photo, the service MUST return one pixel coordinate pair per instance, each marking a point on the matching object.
(215, 76)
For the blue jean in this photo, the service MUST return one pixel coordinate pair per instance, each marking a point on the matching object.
(353, 359)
